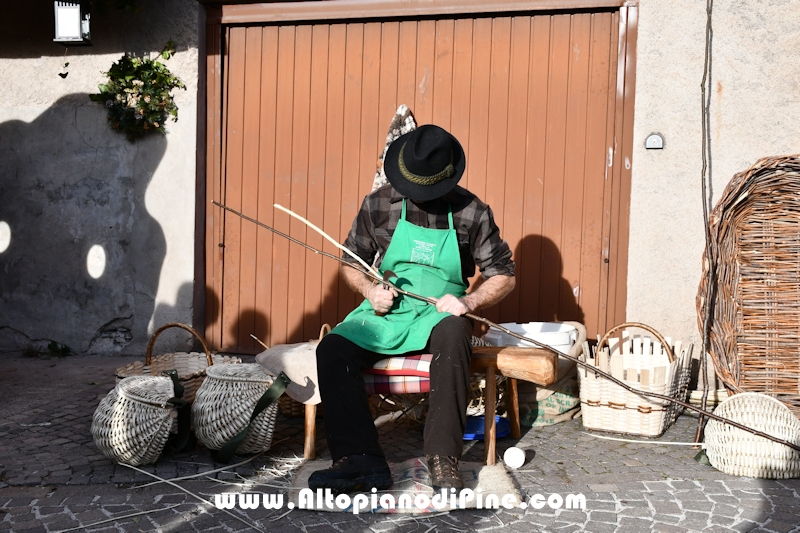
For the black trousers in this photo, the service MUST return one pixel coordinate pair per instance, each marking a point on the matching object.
(349, 426)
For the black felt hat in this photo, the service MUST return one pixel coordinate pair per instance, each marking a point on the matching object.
(424, 164)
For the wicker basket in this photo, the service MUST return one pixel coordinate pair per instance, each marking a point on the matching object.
(639, 362)
(291, 408)
(754, 275)
(191, 366)
(738, 452)
(133, 422)
(225, 404)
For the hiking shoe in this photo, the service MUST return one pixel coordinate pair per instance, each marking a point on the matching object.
(358, 472)
(444, 473)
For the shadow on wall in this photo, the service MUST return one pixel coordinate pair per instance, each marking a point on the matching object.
(545, 295)
(176, 339)
(84, 256)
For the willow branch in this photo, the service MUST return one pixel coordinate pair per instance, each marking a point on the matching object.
(330, 239)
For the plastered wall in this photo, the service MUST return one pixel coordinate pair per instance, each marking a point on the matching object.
(69, 184)
(754, 111)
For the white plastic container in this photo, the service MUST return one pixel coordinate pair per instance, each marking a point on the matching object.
(555, 334)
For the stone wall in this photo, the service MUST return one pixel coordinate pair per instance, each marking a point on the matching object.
(69, 184)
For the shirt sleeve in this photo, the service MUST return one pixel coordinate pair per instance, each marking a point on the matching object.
(361, 239)
(491, 253)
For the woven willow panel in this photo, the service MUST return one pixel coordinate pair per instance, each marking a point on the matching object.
(754, 326)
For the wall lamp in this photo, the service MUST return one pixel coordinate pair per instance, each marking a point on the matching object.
(72, 23)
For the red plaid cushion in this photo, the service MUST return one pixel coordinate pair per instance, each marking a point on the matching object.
(412, 365)
(383, 384)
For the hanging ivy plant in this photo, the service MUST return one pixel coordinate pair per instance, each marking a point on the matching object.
(138, 95)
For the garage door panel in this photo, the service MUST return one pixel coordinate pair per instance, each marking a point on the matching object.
(233, 189)
(574, 194)
(443, 71)
(593, 271)
(514, 184)
(250, 182)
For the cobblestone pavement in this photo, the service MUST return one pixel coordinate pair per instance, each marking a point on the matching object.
(52, 477)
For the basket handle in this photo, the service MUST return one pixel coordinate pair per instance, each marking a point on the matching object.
(324, 330)
(664, 343)
(149, 355)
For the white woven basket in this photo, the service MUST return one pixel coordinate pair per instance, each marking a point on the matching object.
(224, 403)
(641, 364)
(132, 423)
(738, 452)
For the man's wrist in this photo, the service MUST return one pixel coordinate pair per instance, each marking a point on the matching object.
(467, 301)
(369, 283)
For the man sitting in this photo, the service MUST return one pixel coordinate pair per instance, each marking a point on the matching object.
(430, 233)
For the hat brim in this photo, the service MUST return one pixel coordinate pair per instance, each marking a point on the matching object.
(413, 191)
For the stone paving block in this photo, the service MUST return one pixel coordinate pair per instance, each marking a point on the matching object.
(47, 510)
(13, 513)
(629, 503)
(637, 512)
(718, 529)
(784, 500)
(754, 515)
(563, 527)
(779, 526)
(29, 525)
(660, 527)
(600, 505)
(659, 496)
(720, 520)
(89, 515)
(595, 527)
(627, 521)
(603, 487)
(59, 522)
(696, 505)
(667, 507)
(603, 516)
(788, 515)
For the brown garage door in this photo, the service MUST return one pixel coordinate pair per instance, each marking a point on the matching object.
(538, 100)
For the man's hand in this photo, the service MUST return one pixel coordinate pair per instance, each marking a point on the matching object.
(381, 297)
(490, 292)
(450, 304)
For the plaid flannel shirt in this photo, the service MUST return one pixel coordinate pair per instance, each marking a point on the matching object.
(479, 241)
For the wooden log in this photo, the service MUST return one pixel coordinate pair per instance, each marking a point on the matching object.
(536, 365)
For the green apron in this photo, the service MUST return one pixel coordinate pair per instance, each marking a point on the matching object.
(426, 262)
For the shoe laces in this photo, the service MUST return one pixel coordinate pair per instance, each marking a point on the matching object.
(443, 466)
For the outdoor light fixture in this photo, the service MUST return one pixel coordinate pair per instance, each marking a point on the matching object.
(72, 23)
